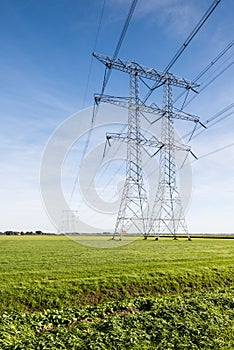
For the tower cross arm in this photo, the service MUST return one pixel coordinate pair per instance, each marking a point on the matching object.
(144, 71)
(178, 114)
(126, 103)
(142, 140)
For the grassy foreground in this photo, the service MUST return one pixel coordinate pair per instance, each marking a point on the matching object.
(59, 294)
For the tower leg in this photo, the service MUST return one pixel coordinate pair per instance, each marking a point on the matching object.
(134, 198)
(167, 212)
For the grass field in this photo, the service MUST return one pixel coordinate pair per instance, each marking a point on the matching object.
(61, 294)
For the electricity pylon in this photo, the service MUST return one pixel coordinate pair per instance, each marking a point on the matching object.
(69, 222)
(133, 210)
(134, 204)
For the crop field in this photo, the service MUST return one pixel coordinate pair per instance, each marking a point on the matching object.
(58, 293)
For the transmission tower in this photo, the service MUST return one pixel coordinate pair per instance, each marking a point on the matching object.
(69, 222)
(167, 209)
(133, 210)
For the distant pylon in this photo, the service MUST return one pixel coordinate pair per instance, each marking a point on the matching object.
(69, 222)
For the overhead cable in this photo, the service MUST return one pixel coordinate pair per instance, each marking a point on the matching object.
(186, 43)
(211, 81)
(217, 150)
(84, 100)
(220, 149)
(216, 59)
(119, 44)
(95, 46)
(208, 67)
(106, 77)
(212, 120)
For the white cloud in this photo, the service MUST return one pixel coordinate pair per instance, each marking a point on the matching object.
(175, 16)
(51, 101)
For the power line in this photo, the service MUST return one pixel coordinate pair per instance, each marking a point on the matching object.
(217, 115)
(211, 81)
(208, 67)
(112, 177)
(220, 149)
(217, 150)
(84, 99)
(100, 163)
(95, 46)
(211, 119)
(185, 44)
(217, 121)
(107, 76)
(216, 59)
(118, 46)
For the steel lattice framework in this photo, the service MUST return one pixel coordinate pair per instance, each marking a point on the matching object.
(133, 209)
(167, 212)
(134, 197)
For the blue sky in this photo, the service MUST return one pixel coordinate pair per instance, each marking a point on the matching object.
(46, 49)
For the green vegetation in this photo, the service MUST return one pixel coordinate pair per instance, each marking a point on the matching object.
(200, 321)
(58, 294)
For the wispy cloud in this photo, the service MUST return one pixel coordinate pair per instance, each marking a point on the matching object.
(175, 16)
(52, 101)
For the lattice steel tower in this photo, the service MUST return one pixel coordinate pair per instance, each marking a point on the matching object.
(133, 211)
(167, 212)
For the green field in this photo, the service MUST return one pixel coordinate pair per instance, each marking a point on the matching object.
(59, 294)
